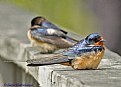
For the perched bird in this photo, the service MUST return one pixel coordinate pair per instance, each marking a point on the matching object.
(86, 54)
(48, 37)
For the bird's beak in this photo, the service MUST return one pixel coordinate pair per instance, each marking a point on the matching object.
(102, 40)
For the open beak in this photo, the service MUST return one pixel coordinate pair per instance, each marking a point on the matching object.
(102, 40)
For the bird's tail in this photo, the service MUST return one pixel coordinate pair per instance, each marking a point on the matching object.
(49, 60)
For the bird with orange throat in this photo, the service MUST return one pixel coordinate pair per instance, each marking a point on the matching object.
(85, 54)
(47, 36)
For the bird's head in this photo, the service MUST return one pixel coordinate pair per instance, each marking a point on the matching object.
(95, 39)
(37, 20)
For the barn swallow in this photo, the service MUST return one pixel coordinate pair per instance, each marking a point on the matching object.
(47, 36)
(86, 54)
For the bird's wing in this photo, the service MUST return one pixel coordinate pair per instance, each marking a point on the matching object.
(50, 25)
(44, 31)
(87, 50)
(63, 57)
(51, 36)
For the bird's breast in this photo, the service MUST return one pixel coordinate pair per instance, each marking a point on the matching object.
(44, 47)
(90, 61)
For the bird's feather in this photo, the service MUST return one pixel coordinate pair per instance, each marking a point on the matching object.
(50, 36)
(51, 59)
(50, 25)
(43, 31)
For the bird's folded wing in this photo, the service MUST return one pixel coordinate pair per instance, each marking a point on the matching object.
(53, 37)
(87, 50)
(50, 25)
(47, 32)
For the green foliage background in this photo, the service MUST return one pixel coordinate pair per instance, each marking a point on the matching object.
(73, 15)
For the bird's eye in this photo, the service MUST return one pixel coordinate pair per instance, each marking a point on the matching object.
(90, 39)
(95, 39)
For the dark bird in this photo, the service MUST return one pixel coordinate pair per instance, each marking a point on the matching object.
(86, 54)
(47, 36)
